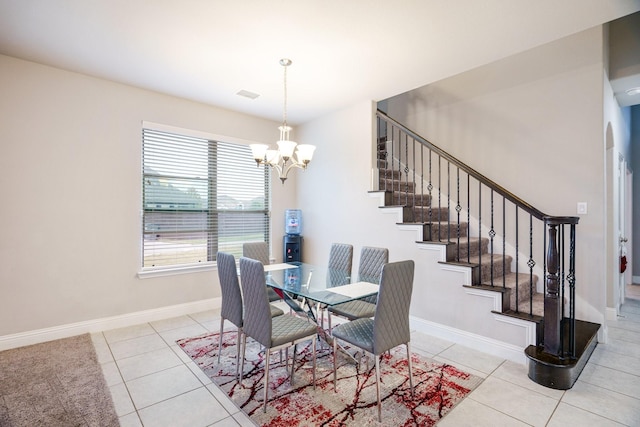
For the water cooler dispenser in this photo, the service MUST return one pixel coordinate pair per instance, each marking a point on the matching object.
(292, 242)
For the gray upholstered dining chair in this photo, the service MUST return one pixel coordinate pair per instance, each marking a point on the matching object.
(232, 306)
(369, 269)
(340, 264)
(390, 324)
(260, 251)
(256, 250)
(338, 269)
(273, 333)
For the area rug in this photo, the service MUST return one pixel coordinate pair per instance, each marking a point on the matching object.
(55, 384)
(438, 387)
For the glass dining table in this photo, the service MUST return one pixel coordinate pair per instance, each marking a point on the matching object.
(309, 289)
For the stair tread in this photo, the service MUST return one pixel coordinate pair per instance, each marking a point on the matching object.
(512, 279)
(538, 305)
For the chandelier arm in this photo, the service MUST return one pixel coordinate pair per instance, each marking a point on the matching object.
(278, 168)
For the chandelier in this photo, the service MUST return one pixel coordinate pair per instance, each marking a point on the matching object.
(283, 159)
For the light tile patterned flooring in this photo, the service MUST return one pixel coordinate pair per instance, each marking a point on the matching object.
(153, 383)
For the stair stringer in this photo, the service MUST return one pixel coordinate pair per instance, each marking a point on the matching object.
(523, 330)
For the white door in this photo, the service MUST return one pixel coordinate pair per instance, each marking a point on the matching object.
(623, 233)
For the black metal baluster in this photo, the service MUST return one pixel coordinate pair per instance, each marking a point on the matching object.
(413, 154)
(561, 283)
(480, 230)
(531, 263)
(544, 262)
(399, 158)
(378, 136)
(517, 260)
(458, 209)
(448, 202)
(390, 164)
(439, 198)
(492, 234)
(504, 245)
(422, 183)
(572, 288)
(430, 187)
(406, 171)
(468, 218)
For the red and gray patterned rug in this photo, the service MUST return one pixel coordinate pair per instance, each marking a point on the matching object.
(438, 386)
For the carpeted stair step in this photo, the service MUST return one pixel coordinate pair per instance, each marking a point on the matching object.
(390, 174)
(410, 199)
(537, 305)
(467, 248)
(396, 185)
(511, 281)
(444, 230)
(491, 266)
(429, 214)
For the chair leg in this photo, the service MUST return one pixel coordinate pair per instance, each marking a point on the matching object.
(220, 338)
(410, 369)
(315, 341)
(378, 388)
(244, 346)
(293, 363)
(266, 380)
(329, 320)
(335, 363)
(239, 343)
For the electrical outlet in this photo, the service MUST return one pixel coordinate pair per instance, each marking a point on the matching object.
(582, 208)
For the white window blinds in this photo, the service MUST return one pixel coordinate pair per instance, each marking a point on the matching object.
(200, 197)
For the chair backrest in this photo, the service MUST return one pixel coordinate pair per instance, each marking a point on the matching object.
(371, 262)
(391, 321)
(340, 264)
(257, 314)
(256, 250)
(231, 296)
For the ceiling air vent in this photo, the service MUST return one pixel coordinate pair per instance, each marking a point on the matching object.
(247, 94)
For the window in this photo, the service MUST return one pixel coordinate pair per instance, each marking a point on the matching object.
(200, 197)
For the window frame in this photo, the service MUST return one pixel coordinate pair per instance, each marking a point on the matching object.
(210, 264)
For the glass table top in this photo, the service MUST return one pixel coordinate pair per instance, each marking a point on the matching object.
(320, 284)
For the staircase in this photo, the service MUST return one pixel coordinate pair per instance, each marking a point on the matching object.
(505, 243)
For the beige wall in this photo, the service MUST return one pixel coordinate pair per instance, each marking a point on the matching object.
(71, 196)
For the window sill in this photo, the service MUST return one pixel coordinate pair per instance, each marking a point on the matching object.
(148, 273)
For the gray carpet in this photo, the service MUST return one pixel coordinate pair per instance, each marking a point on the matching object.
(57, 383)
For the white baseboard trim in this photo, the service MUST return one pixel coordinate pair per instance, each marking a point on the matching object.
(477, 342)
(106, 323)
(636, 279)
(611, 313)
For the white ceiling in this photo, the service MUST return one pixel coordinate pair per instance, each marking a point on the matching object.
(343, 51)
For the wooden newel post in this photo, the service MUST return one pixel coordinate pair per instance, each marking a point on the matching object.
(552, 297)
